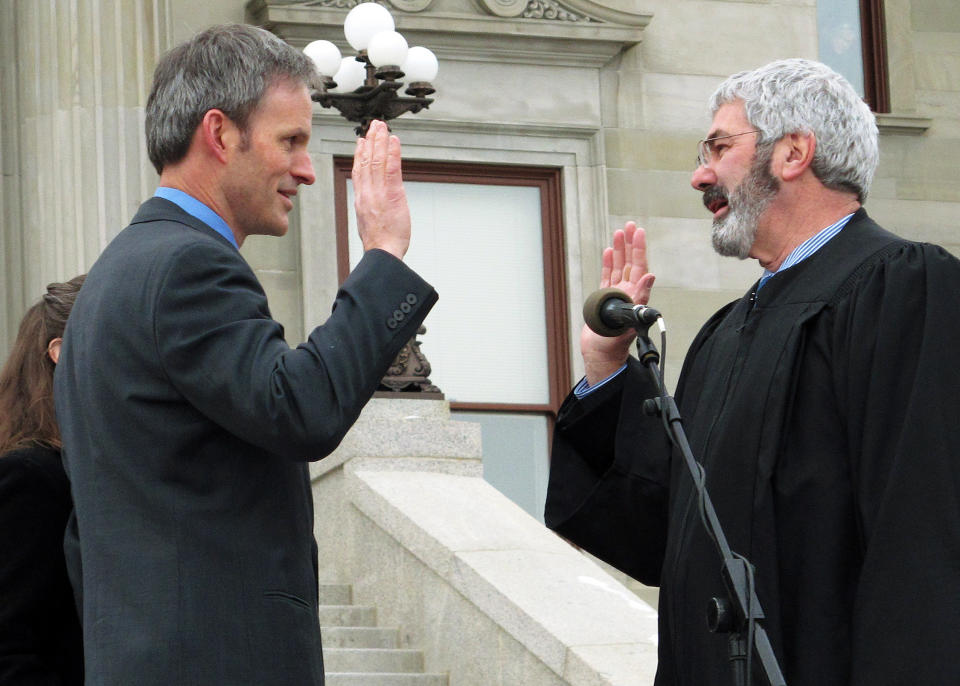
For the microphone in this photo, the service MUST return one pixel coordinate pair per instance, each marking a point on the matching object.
(611, 312)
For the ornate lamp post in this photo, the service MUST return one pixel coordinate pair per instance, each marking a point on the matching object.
(365, 87)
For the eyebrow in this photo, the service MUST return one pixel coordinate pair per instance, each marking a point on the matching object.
(716, 134)
(296, 132)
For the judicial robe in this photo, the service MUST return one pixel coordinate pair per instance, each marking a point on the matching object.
(825, 410)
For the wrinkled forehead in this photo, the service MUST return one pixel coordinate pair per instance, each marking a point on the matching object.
(730, 118)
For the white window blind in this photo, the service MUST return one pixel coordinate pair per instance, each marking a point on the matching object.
(838, 29)
(481, 247)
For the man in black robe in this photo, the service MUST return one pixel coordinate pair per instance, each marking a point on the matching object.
(823, 407)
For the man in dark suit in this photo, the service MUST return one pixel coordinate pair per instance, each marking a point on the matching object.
(187, 421)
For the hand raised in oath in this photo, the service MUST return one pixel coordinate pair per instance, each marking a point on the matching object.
(624, 267)
(380, 201)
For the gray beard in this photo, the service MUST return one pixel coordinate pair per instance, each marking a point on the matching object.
(734, 234)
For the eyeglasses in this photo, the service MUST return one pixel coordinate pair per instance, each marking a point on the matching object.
(706, 149)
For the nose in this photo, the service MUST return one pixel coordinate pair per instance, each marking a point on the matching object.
(303, 169)
(703, 177)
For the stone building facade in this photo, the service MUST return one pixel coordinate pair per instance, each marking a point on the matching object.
(612, 93)
(597, 104)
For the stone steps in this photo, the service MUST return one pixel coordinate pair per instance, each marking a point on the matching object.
(374, 660)
(385, 679)
(357, 652)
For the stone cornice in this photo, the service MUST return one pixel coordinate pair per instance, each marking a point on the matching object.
(903, 124)
(576, 32)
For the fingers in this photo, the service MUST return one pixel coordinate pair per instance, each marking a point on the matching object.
(637, 254)
(370, 159)
(627, 257)
(379, 139)
(393, 171)
(629, 229)
(619, 256)
(360, 162)
(380, 203)
(643, 288)
(606, 268)
(624, 264)
(641, 280)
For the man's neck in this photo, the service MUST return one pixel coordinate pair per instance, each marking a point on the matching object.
(784, 226)
(174, 177)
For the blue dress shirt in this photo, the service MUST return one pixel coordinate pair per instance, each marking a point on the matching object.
(195, 208)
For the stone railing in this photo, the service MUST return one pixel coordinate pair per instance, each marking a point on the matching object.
(491, 596)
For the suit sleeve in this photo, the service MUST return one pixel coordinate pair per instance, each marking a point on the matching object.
(223, 352)
(609, 476)
(899, 381)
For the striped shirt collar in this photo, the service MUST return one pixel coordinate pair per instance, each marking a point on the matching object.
(197, 209)
(807, 248)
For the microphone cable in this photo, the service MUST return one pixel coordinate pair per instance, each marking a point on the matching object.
(701, 486)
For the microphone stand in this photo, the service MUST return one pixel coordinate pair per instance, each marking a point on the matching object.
(737, 614)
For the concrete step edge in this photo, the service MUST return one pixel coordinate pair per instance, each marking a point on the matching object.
(378, 660)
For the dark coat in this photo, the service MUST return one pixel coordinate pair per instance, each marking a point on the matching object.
(825, 414)
(40, 641)
(187, 425)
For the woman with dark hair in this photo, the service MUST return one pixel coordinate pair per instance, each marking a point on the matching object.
(40, 640)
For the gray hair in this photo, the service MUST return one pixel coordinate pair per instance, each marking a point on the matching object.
(802, 96)
(226, 67)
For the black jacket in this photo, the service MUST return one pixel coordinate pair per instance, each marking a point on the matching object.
(824, 412)
(40, 641)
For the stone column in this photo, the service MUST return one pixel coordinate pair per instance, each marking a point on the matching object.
(74, 77)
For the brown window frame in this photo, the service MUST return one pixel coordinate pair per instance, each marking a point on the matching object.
(873, 41)
(549, 180)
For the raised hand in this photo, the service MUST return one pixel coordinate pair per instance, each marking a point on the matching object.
(624, 267)
(380, 201)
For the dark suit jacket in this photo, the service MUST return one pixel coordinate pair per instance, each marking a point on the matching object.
(39, 631)
(187, 422)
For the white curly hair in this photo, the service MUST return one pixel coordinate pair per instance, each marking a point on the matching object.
(803, 96)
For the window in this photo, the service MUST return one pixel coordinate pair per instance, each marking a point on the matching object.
(490, 239)
(853, 41)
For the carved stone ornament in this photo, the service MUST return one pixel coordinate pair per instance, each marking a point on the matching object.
(408, 374)
(550, 9)
(580, 33)
(505, 8)
(405, 5)
(336, 4)
(411, 5)
(531, 9)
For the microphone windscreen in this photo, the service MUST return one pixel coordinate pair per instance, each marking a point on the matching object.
(593, 307)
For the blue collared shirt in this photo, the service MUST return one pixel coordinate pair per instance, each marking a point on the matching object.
(806, 249)
(195, 208)
(797, 255)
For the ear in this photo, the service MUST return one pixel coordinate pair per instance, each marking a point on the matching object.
(218, 134)
(797, 154)
(53, 349)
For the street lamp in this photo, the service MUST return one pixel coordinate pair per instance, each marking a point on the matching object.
(364, 87)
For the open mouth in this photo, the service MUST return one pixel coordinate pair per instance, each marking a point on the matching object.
(715, 207)
(715, 200)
